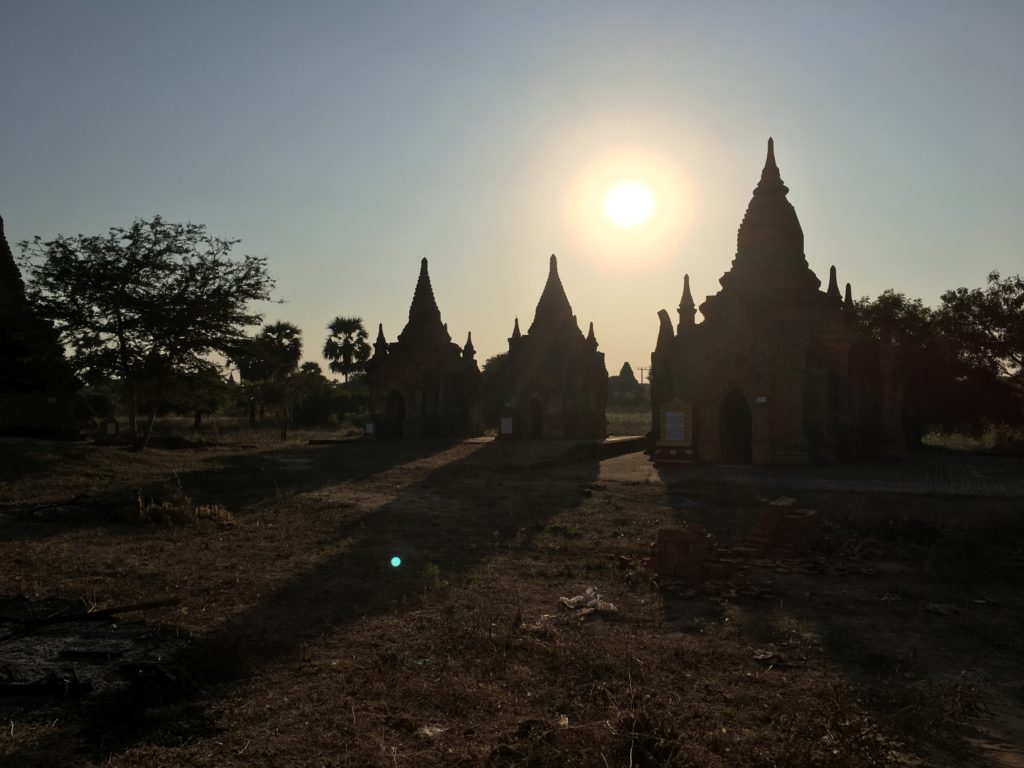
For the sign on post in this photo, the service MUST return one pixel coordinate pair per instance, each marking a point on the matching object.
(675, 437)
(676, 423)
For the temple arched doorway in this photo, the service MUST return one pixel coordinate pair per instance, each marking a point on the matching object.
(735, 429)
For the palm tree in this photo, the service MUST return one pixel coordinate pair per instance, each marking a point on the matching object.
(266, 363)
(347, 347)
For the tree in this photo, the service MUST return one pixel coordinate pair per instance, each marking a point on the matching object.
(949, 382)
(493, 388)
(145, 303)
(347, 347)
(200, 393)
(988, 324)
(267, 363)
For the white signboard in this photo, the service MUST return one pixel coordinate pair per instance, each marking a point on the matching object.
(675, 426)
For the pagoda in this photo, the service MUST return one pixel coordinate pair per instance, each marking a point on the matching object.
(423, 384)
(776, 372)
(554, 381)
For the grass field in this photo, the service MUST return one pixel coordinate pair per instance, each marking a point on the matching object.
(290, 639)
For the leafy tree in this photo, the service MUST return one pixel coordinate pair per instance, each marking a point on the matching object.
(200, 393)
(948, 383)
(892, 318)
(317, 400)
(145, 303)
(493, 389)
(988, 324)
(267, 363)
(347, 347)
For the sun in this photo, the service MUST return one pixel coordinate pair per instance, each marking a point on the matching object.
(629, 203)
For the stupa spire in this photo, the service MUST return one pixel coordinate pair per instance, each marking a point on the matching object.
(12, 287)
(424, 306)
(687, 309)
(468, 351)
(424, 316)
(553, 308)
(380, 346)
(591, 337)
(770, 227)
(770, 173)
(848, 299)
(833, 286)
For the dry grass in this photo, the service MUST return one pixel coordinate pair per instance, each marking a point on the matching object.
(303, 646)
(995, 439)
(633, 422)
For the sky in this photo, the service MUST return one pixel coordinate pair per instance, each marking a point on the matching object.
(345, 141)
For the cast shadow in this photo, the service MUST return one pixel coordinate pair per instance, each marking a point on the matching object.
(450, 518)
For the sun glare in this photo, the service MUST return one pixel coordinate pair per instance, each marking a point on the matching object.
(629, 208)
(629, 203)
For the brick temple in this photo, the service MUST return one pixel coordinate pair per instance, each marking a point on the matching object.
(776, 373)
(37, 386)
(424, 385)
(554, 380)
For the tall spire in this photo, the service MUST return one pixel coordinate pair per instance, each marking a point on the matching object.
(770, 227)
(424, 316)
(424, 307)
(553, 309)
(516, 334)
(687, 309)
(468, 351)
(591, 338)
(848, 299)
(12, 287)
(770, 175)
(380, 346)
(833, 286)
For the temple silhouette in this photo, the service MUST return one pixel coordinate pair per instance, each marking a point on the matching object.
(37, 386)
(424, 385)
(554, 382)
(776, 373)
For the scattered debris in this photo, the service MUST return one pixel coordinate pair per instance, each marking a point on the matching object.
(588, 603)
(430, 731)
(772, 657)
(542, 627)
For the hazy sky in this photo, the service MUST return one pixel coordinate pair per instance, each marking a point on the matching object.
(345, 141)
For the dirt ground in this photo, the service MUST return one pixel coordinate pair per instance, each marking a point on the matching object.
(270, 628)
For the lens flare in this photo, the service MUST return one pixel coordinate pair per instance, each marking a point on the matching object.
(396, 561)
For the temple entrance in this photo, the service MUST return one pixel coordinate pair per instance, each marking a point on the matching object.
(536, 419)
(735, 430)
(394, 415)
